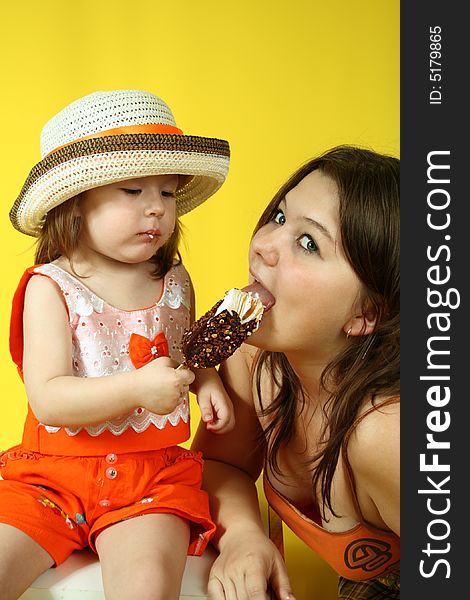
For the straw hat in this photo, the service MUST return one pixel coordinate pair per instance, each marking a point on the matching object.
(110, 136)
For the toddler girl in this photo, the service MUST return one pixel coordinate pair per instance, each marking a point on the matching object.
(95, 332)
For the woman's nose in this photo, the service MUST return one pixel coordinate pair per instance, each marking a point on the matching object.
(264, 244)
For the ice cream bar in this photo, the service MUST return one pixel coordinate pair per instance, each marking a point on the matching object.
(216, 335)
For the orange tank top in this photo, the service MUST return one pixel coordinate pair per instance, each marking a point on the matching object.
(361, 553)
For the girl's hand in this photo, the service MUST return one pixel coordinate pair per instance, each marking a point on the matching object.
(216, 410)
(215, 405)
(160, 386)
(246, 568)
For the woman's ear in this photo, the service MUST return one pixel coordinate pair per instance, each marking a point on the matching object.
(363, 324)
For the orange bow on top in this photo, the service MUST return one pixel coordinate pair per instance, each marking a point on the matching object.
(142, 350)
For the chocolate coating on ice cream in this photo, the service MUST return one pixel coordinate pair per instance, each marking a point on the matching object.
(220, 331)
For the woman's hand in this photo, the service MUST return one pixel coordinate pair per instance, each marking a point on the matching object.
(247, 568)
(249, 564)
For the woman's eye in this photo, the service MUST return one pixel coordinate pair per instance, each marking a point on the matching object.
(132, 191)
(308, 243)
(279, 217)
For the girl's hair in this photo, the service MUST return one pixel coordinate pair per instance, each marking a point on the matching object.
(369, 367)
(61, 231)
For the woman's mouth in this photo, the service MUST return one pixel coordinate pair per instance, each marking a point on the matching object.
(264, 295)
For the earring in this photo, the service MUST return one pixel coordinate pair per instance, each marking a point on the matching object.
(349, 332)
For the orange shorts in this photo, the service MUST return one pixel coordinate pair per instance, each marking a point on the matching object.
(63, 503)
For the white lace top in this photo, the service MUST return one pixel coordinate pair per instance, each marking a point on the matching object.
(101, 333)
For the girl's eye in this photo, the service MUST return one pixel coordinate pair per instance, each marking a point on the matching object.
(167, 194)
(132, 191)
(307, 243)
(279, 217)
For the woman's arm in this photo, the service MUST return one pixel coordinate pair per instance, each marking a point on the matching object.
(233, 461)
(59, 398)
(248, 560)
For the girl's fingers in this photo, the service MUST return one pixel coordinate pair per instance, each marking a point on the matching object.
(205, 407)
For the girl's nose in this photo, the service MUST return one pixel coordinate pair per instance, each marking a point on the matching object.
(264, 245)
(154, 204)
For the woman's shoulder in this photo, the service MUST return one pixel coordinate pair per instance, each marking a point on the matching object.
(378, 410)
(375, 439)
(374, 457)
(246, 358)
(240, 365)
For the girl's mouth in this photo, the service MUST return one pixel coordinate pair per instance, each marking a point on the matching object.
(150, 235)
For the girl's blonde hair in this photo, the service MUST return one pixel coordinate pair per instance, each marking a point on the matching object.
(61, 232)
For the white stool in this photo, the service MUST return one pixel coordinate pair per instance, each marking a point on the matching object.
(79, 577)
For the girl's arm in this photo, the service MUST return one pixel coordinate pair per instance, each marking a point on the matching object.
(59, 398)
(374, 455)
(214, 403)
(233, 461)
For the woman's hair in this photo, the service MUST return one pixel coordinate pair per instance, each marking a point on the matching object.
(61, 231)
(369, 367)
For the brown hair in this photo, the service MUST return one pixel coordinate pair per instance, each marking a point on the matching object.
(61, 231)
(369, 214)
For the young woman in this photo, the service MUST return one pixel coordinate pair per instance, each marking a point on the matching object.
(316, 391)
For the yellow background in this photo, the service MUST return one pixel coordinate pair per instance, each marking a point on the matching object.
(281, 81)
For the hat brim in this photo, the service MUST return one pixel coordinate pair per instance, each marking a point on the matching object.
(95, 162)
